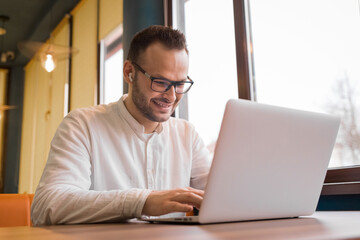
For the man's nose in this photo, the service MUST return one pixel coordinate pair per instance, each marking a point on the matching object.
(171, 94)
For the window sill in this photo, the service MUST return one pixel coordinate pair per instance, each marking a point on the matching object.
(342, 181)
(341, 188)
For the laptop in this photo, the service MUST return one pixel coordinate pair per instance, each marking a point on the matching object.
(269, 162)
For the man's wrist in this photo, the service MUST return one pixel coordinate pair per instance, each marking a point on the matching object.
(141, 203)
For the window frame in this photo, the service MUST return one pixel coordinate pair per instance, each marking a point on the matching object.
(342, 181)
(338, 181)
(107, 47)
(175, 9)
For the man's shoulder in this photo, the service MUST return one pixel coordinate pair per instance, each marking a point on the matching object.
(92, 112)
(180, 124)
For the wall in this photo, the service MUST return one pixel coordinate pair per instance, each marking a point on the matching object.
(3, 86)
(46, 94)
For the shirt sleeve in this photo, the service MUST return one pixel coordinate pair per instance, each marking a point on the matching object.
(63, 195)
(201, 162)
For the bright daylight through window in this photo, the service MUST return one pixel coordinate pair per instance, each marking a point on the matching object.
(111, 74)
(211, 42)
(307, 56)
(113, 77)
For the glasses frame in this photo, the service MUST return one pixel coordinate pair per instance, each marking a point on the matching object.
(171, 83)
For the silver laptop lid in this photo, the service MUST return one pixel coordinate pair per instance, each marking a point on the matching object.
(269, 162)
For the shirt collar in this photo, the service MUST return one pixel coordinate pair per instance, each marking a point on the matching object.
(135, 125)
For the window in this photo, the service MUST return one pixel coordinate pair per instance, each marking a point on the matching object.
(344, 181)
(111, 70)
(307, 56)
(209, 29)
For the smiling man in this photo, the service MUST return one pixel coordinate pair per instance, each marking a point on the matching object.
(129, 158)
(152, 99)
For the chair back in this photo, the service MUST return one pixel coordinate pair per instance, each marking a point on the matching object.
(15, 209)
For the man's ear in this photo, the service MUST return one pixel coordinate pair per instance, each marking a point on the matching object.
(128, 71)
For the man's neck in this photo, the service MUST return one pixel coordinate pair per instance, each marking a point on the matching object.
(149, 126)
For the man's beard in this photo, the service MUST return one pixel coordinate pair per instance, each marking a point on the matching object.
(141, 103)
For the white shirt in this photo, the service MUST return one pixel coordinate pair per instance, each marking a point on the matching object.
(102, 166)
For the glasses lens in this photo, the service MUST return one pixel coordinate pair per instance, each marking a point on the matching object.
(162, 86)
(183, 87)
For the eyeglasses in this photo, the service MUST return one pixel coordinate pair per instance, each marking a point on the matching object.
(163, 85)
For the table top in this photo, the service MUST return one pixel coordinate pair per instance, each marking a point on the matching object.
(321, 225)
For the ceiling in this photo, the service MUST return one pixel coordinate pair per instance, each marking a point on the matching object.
(30, 20)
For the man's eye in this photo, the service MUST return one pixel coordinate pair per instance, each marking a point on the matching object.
(161, 83)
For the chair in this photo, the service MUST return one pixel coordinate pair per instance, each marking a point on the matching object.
(15, 209)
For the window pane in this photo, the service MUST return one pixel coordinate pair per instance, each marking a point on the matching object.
(307, 56)
(209, 27)
(113, 79)
(111, 65)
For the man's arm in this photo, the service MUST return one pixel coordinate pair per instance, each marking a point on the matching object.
(63, 194)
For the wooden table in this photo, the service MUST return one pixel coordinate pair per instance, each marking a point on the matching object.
(322, 225)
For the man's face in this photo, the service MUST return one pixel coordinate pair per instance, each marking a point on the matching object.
(164, 63)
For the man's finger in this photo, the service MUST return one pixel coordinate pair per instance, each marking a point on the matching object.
(178, 207)
(188, 198)
(196, 191)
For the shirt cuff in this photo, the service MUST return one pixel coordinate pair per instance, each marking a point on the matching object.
(135, 201)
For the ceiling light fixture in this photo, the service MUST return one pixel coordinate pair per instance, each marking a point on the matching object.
(47, 53)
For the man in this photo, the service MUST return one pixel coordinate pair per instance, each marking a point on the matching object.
(129, 158)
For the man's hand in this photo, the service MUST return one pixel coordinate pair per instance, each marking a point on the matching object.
(177, 200)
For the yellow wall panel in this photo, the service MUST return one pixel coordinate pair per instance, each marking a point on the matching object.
(42, 125)
(27, 154)
(110, 16)
(84, 63)
(45, 94)
(43, 111)
(3, 84)
(58, 82)
(35, 123)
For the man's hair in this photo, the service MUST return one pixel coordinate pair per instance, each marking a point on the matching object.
(170, 38)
